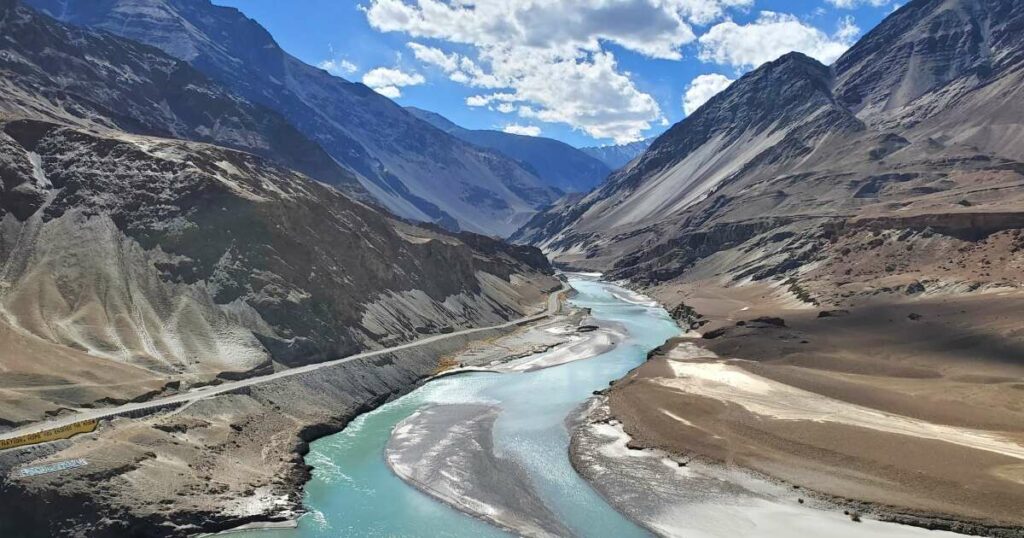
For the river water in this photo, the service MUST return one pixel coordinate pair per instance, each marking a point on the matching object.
(354, 493)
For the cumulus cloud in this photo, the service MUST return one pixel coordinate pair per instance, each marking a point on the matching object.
(656, 28)
(704, 12)
(338, 67)
(771, 35)
(388, 82)
(702, 89)
(585, 91)
(850, 4)
(546, 59)
(525, 130)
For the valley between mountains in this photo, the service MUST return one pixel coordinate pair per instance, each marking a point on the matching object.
(296, 308)
(844, 236)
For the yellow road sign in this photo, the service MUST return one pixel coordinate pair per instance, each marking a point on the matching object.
(54, 434)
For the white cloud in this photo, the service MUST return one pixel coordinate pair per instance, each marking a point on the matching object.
(704, 12)
(438, 57)
(546, 59)
(388, 82)
(653, 27)
(850, 4)
(702, 89)
(773, 34)
(586, 92)
(338, 66)
(525, 130)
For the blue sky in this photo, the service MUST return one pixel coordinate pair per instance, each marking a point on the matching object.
(585, 72)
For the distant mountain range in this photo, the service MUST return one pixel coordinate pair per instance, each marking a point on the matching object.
(557, 163)
(914, 130)
(617, 156)
(412, 168)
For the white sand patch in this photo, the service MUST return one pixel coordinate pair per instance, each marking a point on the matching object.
(445, 451)
(688, 350)
(632, 297)
(709, 500)
(615, 447)
(590, 345)
(676, 417)
(771, 519)
(780, 401)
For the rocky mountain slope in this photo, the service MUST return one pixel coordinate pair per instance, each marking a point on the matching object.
(93, 78)
(132, 264)
(946, 70)
(557, 163)
(618, 155)
(840, 239)
(913, 132)
(412, 168)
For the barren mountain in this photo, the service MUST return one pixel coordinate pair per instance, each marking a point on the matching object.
(145, 261)
(617, 156)
(913, 129)
(91, 78)
(414, 169)
(133, 264)
(837, 237)
(560, 165)
(946, 70)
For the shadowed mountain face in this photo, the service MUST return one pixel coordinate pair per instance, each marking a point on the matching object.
(617, 156)
(414, 169)
(914, 131)
(560, 165)
(131, 263)
(87, 77)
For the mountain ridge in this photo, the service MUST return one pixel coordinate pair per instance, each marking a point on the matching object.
(557, 163)
(752, 154)
(617, 156)
(188, 104)
(397, 157)
(168, 262)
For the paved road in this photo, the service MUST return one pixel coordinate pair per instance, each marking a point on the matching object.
(213, 390)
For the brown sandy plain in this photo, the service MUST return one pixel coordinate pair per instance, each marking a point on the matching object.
(910, 407)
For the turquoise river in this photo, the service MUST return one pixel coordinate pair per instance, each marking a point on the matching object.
(353, 492)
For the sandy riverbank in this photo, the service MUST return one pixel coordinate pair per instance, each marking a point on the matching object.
(552, 342)
(910, 410)
(447, 450)
(674, 495)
